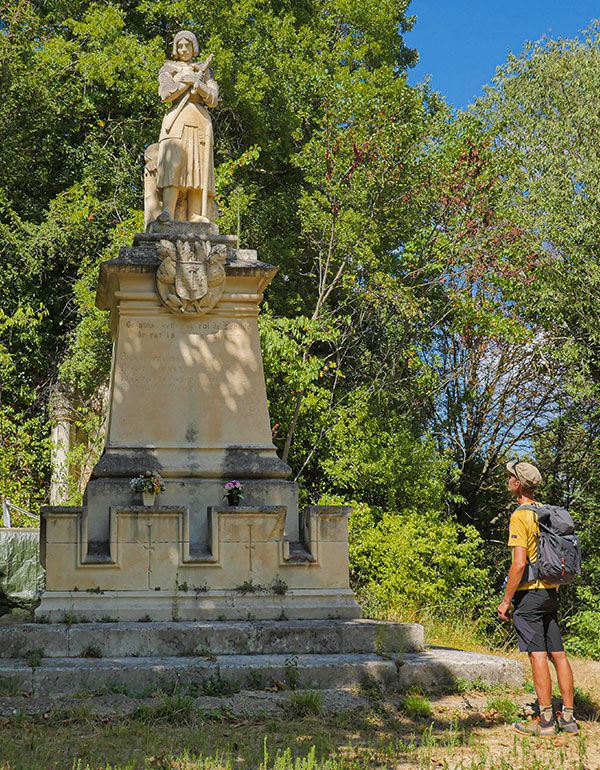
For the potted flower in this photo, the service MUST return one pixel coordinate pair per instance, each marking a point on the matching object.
(233, 492)
(149, 484)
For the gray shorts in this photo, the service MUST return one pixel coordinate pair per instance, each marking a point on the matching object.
(535, 620)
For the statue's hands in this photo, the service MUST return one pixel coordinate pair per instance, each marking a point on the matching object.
(199, 87)
(186, 77)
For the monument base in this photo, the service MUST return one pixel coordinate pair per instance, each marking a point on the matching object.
(188, 401)
(189, 604)
(247, 568)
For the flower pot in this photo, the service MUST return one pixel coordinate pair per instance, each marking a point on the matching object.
(233, 499)
(148, 498)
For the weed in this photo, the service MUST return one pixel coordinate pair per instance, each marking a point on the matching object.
(370, 686)
(108, 619)
(249, 587)
(95, 590)
(462, 686)
(304, 703)
(145, 619)
(380, 648)
(417, 707)
(177, 709)
(175, 606)
(10, 687)
(506, 709)
(34, 657)
(255, 681)
(220, 714)
(41, 619)
(387, 645)
(581, 750)
(91, 651)
(215, 685)
(80, 712)
(69, 618)
(455, 736)
(204, 652)
(278, 586)
(203, 589)
(114, 687)
(292, 671)
(18, 718)
(282, 616)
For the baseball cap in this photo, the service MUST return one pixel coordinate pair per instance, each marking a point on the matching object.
(527, 474)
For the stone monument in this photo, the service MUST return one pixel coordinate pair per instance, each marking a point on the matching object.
(188, 401)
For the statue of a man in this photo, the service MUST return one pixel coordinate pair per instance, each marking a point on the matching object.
(180, 176)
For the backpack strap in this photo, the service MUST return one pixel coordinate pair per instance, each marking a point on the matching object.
(531, 573)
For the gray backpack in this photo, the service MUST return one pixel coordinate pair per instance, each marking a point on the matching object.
(558, 547)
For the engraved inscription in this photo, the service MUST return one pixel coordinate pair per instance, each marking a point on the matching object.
(214, 328)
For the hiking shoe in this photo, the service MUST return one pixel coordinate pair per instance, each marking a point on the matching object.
(570, 727)
(536, 727)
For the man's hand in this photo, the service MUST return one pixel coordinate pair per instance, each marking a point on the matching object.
(515, 575)
(503, 610)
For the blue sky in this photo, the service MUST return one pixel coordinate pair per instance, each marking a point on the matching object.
(461, 42)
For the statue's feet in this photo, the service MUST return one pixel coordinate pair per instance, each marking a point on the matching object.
(165, 216)
(198, 218)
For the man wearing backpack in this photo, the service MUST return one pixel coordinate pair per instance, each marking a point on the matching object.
(534, 601)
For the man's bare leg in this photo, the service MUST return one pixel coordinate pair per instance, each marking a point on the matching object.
(541, 678)
(542, 682)
(564, 674)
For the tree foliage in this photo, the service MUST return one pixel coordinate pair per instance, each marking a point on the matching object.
(435, 312)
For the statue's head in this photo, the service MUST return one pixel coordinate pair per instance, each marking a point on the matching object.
(189, 37)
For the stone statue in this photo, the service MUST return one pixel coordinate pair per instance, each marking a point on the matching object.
(179, 176)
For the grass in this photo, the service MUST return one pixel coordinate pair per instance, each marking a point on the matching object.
(171, 732)
(459, 630)
(34, 657)
(417, 706)
(505, 708)
(175, 709)
(304, 703)
(91, 651)
(10, 687)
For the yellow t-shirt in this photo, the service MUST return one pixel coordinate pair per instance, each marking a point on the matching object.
(524, 532)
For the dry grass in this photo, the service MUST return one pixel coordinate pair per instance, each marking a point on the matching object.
(458, 732)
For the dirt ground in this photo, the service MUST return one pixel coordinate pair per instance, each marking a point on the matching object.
(471, 730)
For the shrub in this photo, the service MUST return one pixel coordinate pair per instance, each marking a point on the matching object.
(416, 558)
(585, 634)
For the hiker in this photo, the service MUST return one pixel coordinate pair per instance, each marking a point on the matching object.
(534, 615)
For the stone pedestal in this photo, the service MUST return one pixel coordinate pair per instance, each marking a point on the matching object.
(188, 400)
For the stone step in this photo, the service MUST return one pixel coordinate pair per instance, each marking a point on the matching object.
(169, 639)
(431, 669)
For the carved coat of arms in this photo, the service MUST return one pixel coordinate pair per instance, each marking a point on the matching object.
(190, 277)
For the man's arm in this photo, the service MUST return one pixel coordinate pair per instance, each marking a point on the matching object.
(515, 577)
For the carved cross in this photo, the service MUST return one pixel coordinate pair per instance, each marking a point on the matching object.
(150, 549)
(250, 547)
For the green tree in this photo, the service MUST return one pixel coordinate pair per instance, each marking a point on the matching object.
(80, 105)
